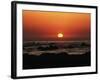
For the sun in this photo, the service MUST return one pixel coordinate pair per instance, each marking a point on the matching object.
(60, 35)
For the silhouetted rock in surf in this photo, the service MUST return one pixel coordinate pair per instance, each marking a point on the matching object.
(47, 48)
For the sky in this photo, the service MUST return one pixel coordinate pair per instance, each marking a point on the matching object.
(46, 25)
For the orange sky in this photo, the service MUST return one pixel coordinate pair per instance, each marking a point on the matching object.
(41, 25)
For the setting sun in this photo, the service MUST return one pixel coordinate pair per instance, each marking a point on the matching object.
(60, 35)
(55, 26)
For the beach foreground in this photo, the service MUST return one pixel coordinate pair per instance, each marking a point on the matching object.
(53, 54)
